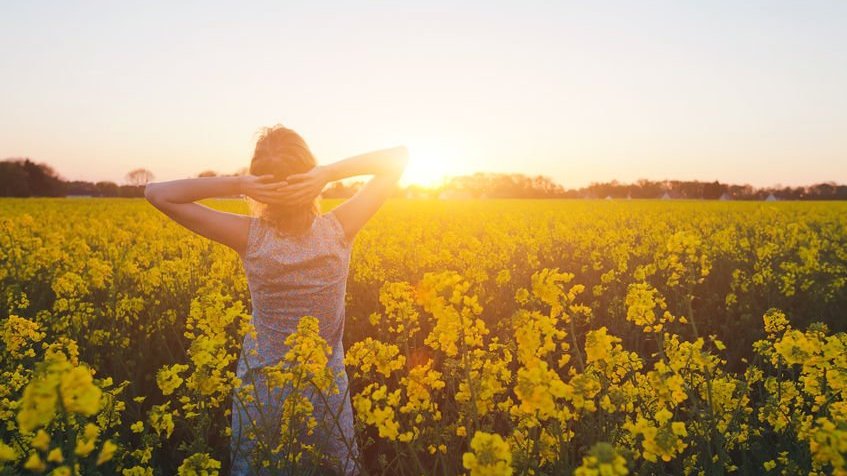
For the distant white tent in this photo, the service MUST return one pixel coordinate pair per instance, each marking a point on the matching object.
(666, 196)
(608, 197)
(725, 196)
(771, 198)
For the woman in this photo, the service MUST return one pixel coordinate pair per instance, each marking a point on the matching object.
(296, 260)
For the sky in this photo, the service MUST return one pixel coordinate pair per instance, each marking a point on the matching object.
(741, 92)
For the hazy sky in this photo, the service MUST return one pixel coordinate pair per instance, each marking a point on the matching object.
(752, 91)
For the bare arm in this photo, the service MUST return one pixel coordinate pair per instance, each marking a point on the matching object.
(385, 165)
(176, 200)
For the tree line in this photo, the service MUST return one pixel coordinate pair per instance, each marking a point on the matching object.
(697, 190)
(486, 185)
(25, 178)
(22, 177)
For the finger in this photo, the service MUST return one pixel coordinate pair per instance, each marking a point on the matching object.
(272, 185)
(292, 194)
(279, 198)
(293, 188)
(275, 197)
(265, 178)
(272, 201)
(297, 177)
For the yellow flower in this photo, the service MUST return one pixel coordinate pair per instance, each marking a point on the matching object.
(61, 471)
(602, 460)
(598, 344)
(7, 453)
(34, 463)
(660, 441)
(522, 296)
(402, 318)
(79, 394)
(373, 354)
(199, 464)
(107, 452)
(41, 440)
(796, 347)
(18, 334)
(38, 404)
(775, 321)
(137, 471)
(489, 456)
(86, 444)
(161, 419)
(538, 387)
(91, 431)
(645, 307)
(168, 379)
(55, 456)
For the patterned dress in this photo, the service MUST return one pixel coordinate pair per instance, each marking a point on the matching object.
(290, 277)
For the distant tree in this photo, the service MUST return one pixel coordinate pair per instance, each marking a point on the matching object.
(208, 173)
(13, 180)
(81, 187)
(687, 189)
(790, 193)
(546, 186)
(24, 178)
(139, 177)
(43, 180)
(743, 192)
(131, 191)
(107, 189)
(648, 189)
(823, 191)
(714, 190)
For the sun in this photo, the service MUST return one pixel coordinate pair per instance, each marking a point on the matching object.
(430, 165)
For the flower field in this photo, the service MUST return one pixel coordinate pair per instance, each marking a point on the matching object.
(483, 337)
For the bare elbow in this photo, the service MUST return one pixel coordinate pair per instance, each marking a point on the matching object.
(151, 194)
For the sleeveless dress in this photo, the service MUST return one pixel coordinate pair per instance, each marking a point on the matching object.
(290, 277)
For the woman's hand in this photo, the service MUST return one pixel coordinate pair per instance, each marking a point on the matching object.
(303, 188)
(262, 188)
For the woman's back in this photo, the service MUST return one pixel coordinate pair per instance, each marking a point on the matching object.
(291, 276)
(294, 276)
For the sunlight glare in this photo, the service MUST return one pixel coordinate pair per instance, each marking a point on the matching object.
(429, 165)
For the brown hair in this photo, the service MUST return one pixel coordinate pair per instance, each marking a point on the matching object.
(282, 152)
